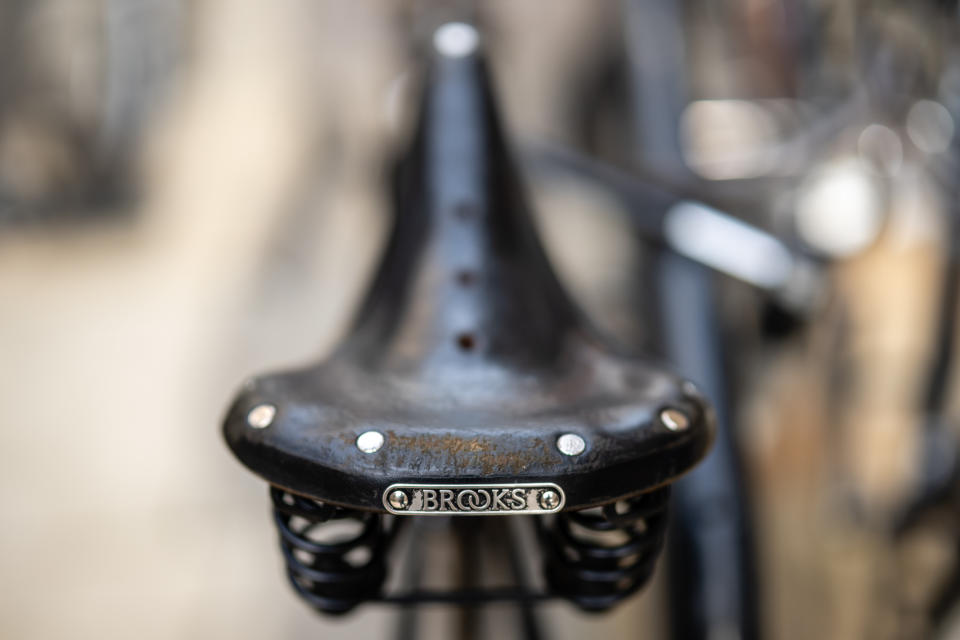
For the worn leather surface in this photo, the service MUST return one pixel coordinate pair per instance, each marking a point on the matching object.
(467, 355)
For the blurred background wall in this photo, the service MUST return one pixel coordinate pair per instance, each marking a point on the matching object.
(193, 192)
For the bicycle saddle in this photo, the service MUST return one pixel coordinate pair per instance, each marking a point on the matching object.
(470, 384)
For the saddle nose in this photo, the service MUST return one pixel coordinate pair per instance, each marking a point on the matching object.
(468, 368)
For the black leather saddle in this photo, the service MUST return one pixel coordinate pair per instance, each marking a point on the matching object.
(470, 383)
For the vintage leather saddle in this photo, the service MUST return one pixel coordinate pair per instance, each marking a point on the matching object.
(468, 366)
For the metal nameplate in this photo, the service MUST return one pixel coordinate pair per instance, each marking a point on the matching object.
(472, 499)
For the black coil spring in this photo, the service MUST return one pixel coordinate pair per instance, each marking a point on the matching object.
(332, 575)
(597, 557)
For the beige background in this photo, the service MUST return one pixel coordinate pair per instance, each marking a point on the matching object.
(121, 343)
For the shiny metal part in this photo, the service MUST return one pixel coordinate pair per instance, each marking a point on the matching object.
(472, 499)
(370, 441)
(456, 40)
(674, 419)
(570, 444)
(549, 500)
(399, 500)
(261, 416)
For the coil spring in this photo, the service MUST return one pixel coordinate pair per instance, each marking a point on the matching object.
(332, 575)
(597, 557)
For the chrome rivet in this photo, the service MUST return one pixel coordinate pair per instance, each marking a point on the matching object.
(261, 416)
(674, 419)
(456, 39)
(570, 444)
(549, 500)
(398, 500)
(370, 441)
